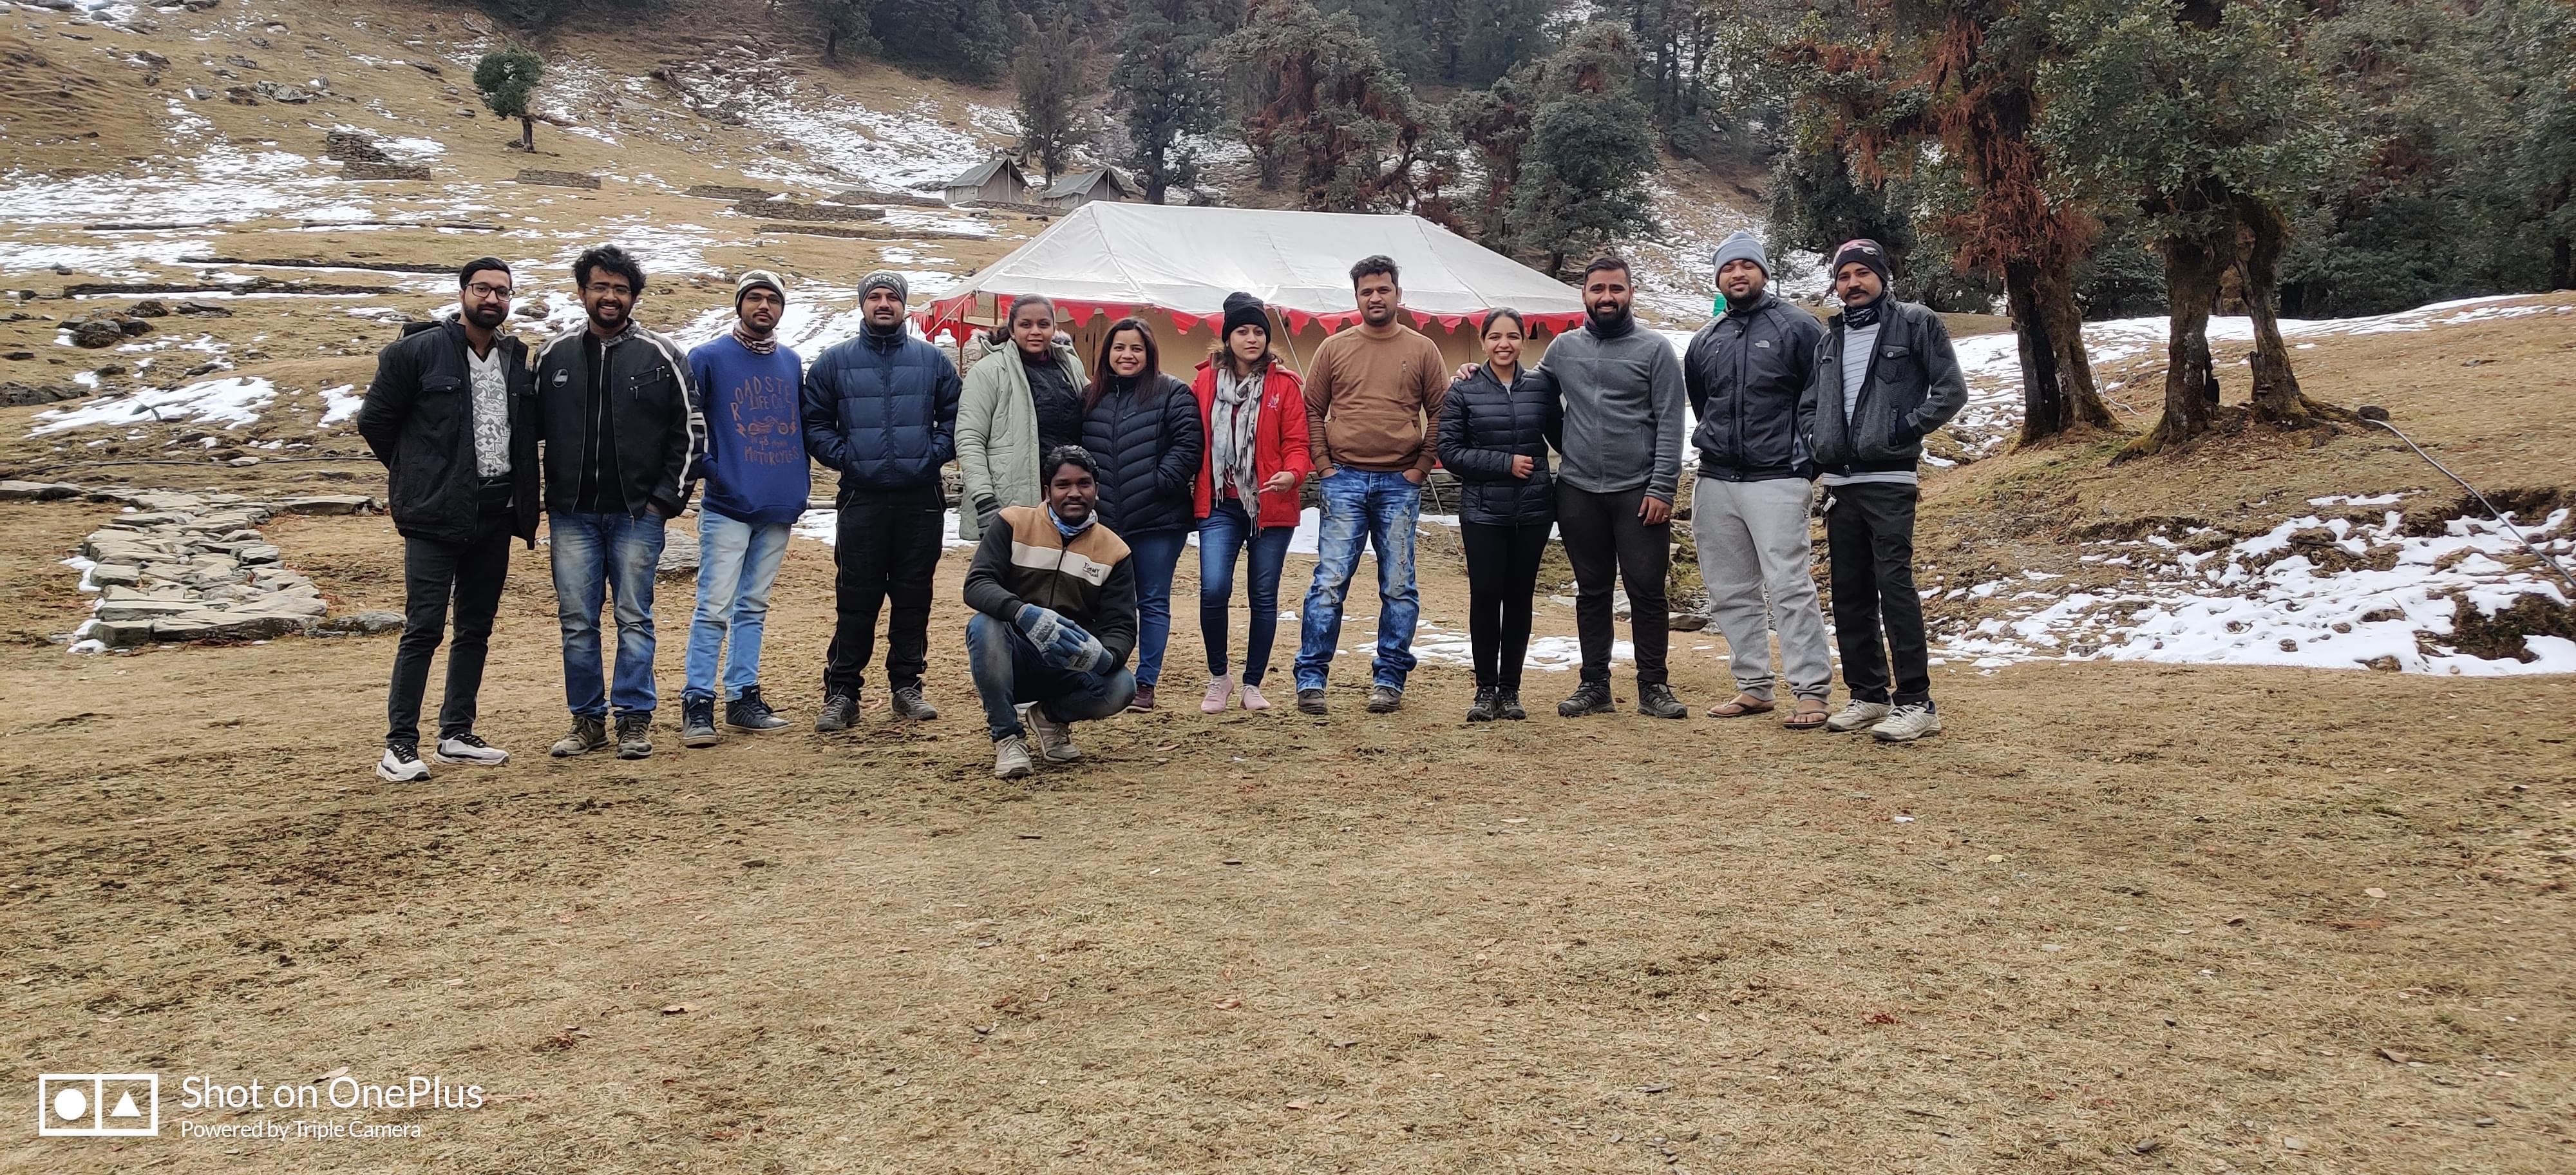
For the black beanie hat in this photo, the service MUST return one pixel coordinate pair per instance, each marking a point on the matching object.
(1243, 309)
(1868, 253)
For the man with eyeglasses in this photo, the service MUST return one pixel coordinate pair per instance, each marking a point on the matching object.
(623, 437)
(451, 415)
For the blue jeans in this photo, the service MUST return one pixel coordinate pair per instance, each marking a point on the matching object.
(1008, 671)
(1156, 553)
(737, 561)
(1224, 534)
(593, 555)
(1380, 509)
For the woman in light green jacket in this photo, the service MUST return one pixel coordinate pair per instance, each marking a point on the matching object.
(1020, 400)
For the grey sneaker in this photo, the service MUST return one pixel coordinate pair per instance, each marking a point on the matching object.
(1311, 701)
(908, 703)
(749, 712)
(1054, 739)
(1857, 715)
(589, 733)
(1656, 700)
(697, 722)
(839, 712)
(635, 735)
(1385, 699)
(467, 748)
(1011, 758)
(1906, 724)
(401, 764)
(1591, 697)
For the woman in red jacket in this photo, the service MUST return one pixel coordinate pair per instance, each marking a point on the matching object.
(1254, 410)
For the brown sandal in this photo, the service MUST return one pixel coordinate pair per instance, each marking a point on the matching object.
(1810, 715)
(1742, 705)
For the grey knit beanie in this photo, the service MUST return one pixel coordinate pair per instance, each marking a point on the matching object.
(1743, 246)
(753, 279)
(888, 279)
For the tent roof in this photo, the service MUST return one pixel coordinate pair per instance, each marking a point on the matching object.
(1077, 184)
(1185, 260)
(984, 171)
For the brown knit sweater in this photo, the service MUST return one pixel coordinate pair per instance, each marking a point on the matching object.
(1369, 402)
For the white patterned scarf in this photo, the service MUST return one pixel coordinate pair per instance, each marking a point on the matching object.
(1231, 430)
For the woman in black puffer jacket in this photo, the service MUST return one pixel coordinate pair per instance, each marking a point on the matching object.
(1494, 431)
(1143, 426)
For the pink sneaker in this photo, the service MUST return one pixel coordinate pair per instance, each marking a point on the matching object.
(1217, 692)
(1252, 699)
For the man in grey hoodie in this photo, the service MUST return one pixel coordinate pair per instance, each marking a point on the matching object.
(1885, 375)
(1624, 417)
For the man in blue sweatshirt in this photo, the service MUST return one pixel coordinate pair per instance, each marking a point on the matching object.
(757, 479)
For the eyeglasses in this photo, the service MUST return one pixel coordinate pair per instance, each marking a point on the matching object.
(604, 288)
(488, 290)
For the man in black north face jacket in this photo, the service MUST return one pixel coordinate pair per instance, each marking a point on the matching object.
(452, 415)
(1745, 373)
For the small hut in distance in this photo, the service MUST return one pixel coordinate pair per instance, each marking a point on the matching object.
(1084, 187)
(997, 180)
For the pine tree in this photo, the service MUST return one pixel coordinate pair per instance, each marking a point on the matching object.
(1321, 110)
(508, 79)
(1049, 73)
(1954, 91)
(1165, 89)
(840, 21)
(1566, 150)
(2203, 112)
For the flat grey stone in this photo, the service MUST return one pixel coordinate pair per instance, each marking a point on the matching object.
(37, 491)
(328, 504)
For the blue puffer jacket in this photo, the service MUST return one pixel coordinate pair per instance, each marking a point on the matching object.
(882, 409)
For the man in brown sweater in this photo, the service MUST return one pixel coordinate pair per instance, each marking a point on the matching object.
(1371, 395)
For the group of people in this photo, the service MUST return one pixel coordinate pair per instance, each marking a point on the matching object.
(1083, 484)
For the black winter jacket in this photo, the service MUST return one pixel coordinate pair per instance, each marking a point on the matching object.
(419, 419)
(1149, 441)
(882, 409)
(1483, 425)
(653, 408)
(1745, 372)
(1913, 385)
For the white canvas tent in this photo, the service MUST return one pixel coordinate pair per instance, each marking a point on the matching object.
(1173, 267)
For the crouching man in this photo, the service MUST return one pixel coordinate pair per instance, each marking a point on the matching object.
(1055, 594)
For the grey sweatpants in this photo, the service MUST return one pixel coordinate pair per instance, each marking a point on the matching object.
(1753, 556)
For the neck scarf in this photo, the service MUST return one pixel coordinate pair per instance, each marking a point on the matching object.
(1866, 314)
(757, 346)
(1231, 432)
(1067, 529)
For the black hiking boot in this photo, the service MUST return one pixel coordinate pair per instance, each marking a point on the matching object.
(1591, 697)
(1483, 709)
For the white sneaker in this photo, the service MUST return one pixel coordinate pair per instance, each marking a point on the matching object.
(468, 748)
(1857, 716)
(1055, 739)
(1907, 724)
(401, 765)
(1011, 758)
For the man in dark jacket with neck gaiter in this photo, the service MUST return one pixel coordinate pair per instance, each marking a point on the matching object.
(1622, 442)
(1746, 371)
(1885, 375)
(882, 409)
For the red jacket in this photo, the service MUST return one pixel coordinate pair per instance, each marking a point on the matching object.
(1278, 441)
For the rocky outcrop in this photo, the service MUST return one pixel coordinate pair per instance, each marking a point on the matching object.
(180, 566)
(557, 179)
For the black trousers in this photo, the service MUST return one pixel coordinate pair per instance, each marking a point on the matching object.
(1606, 541)
(887, 548)
(470, 572)
(1869, 535)
(1502, 575)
